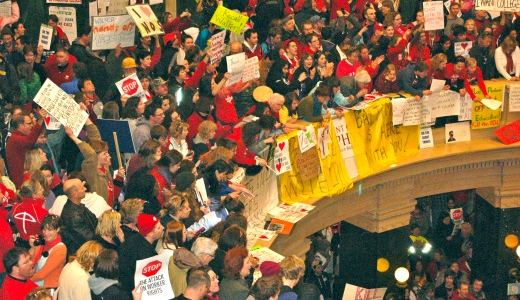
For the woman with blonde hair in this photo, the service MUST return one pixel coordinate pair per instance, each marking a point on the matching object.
(108, 231)
(73, 282)
(202, 142)
(292, 268)
(507, 59)
(177, 208)
(174, 236)
(177, 138)
(438, 66)
(34, 160)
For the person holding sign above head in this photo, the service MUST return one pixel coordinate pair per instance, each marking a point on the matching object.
(507, 59)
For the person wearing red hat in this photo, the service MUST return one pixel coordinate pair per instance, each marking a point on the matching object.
(137, 247)
(270, 268)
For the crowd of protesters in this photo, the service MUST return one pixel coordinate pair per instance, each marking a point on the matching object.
(81, 220)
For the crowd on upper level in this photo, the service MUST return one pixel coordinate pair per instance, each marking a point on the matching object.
(75, 221)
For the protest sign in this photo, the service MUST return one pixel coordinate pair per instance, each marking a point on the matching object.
(124, 136)
(457, 132)
(462, 48)
(509, 134)
(45, 37)
(491, 103)
(109, 31)
(251, 69)
(130, 86)
(282, 160)
(306, 138)
(437, 85)
(426, 140)
(154, 2)
(483, 117)
(442, 104)
(51, 123)
(308, 164)
(117, 7)
(193, 32)
(457, 215)
(145, 19)
(466, 107)
(5, 9)
(498, 5)
(217, 46)
(398, 105)
(513, 94)
(66, 20)
(64, 1)
(433, 15)
(353, 292)
(413, 112)
(92, 11)
(324, 140)
(235, 66)
(228, 19)
(151, 274)
(201, 193)
(345, 147)
(61, 106)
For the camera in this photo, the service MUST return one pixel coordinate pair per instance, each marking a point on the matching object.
(39, 241)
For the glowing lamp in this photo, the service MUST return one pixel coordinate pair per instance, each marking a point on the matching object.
(401, 274)
(382, 265)
(511, 241)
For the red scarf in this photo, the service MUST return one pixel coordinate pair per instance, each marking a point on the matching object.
(510, 67)
(45, 248)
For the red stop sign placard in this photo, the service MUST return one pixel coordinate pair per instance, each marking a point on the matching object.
(457, 214)
(152, 268)
(130, 86)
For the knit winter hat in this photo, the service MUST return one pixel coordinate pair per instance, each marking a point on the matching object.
(146, 223)
(269, 268)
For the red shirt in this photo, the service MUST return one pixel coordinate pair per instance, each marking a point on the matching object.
(59, 75)
(161, 182)
(28, 216)
(346, 68)
(475, 78)
(243, 155)
(16, 289)
(6, 238)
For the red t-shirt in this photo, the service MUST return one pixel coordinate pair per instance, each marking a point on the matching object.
(15, 289)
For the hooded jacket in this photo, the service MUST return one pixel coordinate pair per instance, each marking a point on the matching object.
(181, 261)
(106, 289)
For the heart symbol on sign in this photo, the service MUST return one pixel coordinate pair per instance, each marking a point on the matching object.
(146, 10)
(278, 166)
(464, 45)
(47, 120)
(264, 237)
(281, 145)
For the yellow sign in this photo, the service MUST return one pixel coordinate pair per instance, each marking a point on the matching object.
(376, 144)
(482, 116)
(145, 20)
(228, 19)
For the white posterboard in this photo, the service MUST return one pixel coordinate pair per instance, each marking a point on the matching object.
(426, 138)
(109, 31)
(353, 292)
(457, 132)
(345, 146)
(61, 106)
(217, 46)
(462, 48)
(235, 66)
(498, 5)
(433, 15)
(66, 20)
(145, 19)
(151, 275)
(251, 69)
(514, 97)
(45, 37)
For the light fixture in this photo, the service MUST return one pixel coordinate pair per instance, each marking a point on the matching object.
(518, 251)
(511, 241)
(382, 264)
(411, 250)
(427, 248)
(401, 274)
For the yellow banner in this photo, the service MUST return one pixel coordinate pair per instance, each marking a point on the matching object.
(228, 19)
(376, 144)
(483, 117)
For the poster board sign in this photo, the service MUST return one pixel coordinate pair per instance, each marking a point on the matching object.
(92, 11)
(130, 86)
(353, 292)
(228, 19)
(117, 7)
(483, 117)
(251, 69)
(457, 215)
(61, 106)
(466, 108)
(442, 104)
(217, 46)
(66, 20)
(306, 138)
(426, 139)
(433, 15)
(457, 132)
(509, 134)
(462, 48)
(497, 5)
(345, 147)
(51, 123)
(281, 159)
(145, 19)
(151, 274)
(154, 2)
(513, 96)
(109, 31)
(235, 65)
(45, 36)
(5, 9)
(64, 2)
(200, 191)
(124, 134)
(308, 164)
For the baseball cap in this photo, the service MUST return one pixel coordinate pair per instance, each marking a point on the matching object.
(269, 268)
(129, 63)
(146, 223)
